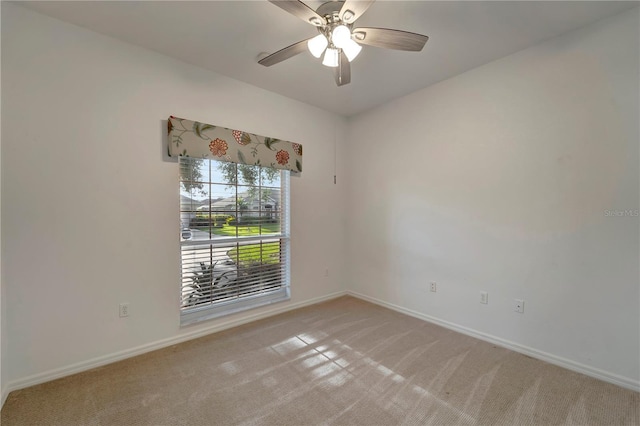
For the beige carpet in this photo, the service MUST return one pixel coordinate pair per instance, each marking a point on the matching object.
(343, 362)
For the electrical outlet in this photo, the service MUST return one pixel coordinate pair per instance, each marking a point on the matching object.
(518, 305)
(434, 286)
(484, 297)
(326, 272)
(124, 309)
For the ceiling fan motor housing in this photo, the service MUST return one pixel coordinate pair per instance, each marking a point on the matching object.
(331, 12)
(330, 9)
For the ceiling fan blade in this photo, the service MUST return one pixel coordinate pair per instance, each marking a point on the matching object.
(352, 9)
(390, 39)
(342, 72)
(285, 53)
(301, 10)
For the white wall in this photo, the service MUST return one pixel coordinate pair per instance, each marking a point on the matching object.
(499, 180)
(90, 203)
(2, 393)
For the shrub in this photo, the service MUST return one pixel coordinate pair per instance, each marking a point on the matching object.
(216, 220)
(252, 220)
(198, 222)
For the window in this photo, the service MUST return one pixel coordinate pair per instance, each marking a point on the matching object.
(234, 237)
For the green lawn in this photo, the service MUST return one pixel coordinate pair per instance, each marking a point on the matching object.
(243, 230)
(265, 253)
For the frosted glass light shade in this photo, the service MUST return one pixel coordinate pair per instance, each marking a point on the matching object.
(330, 57)
(340, 36)
(351, 50)
(317, 45)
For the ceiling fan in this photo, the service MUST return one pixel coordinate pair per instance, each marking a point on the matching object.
(338, 40)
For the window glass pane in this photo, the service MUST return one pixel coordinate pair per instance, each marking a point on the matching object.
(199, 216)
(248, 175)
(223, 173)
(271, 179)
(207, 273)
(188, 204)
(194, 170)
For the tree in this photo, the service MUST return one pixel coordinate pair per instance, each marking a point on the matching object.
(191, 176)
(242, 205)
(251, 175)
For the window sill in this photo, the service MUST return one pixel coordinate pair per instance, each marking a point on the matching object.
(198, 314)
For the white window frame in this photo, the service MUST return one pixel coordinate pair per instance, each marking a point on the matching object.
(231, 305)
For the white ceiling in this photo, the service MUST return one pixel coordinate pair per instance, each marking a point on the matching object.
(228, 36)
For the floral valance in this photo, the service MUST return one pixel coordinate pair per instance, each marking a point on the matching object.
(201, 140)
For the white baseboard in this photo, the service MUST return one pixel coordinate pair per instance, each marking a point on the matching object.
(606, 376)
(139, 350)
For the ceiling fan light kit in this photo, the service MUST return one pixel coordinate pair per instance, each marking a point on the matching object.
(351, 49)
(331, 57)
(317, 45)
(334, 20)
(340, 36)
(340, 39)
